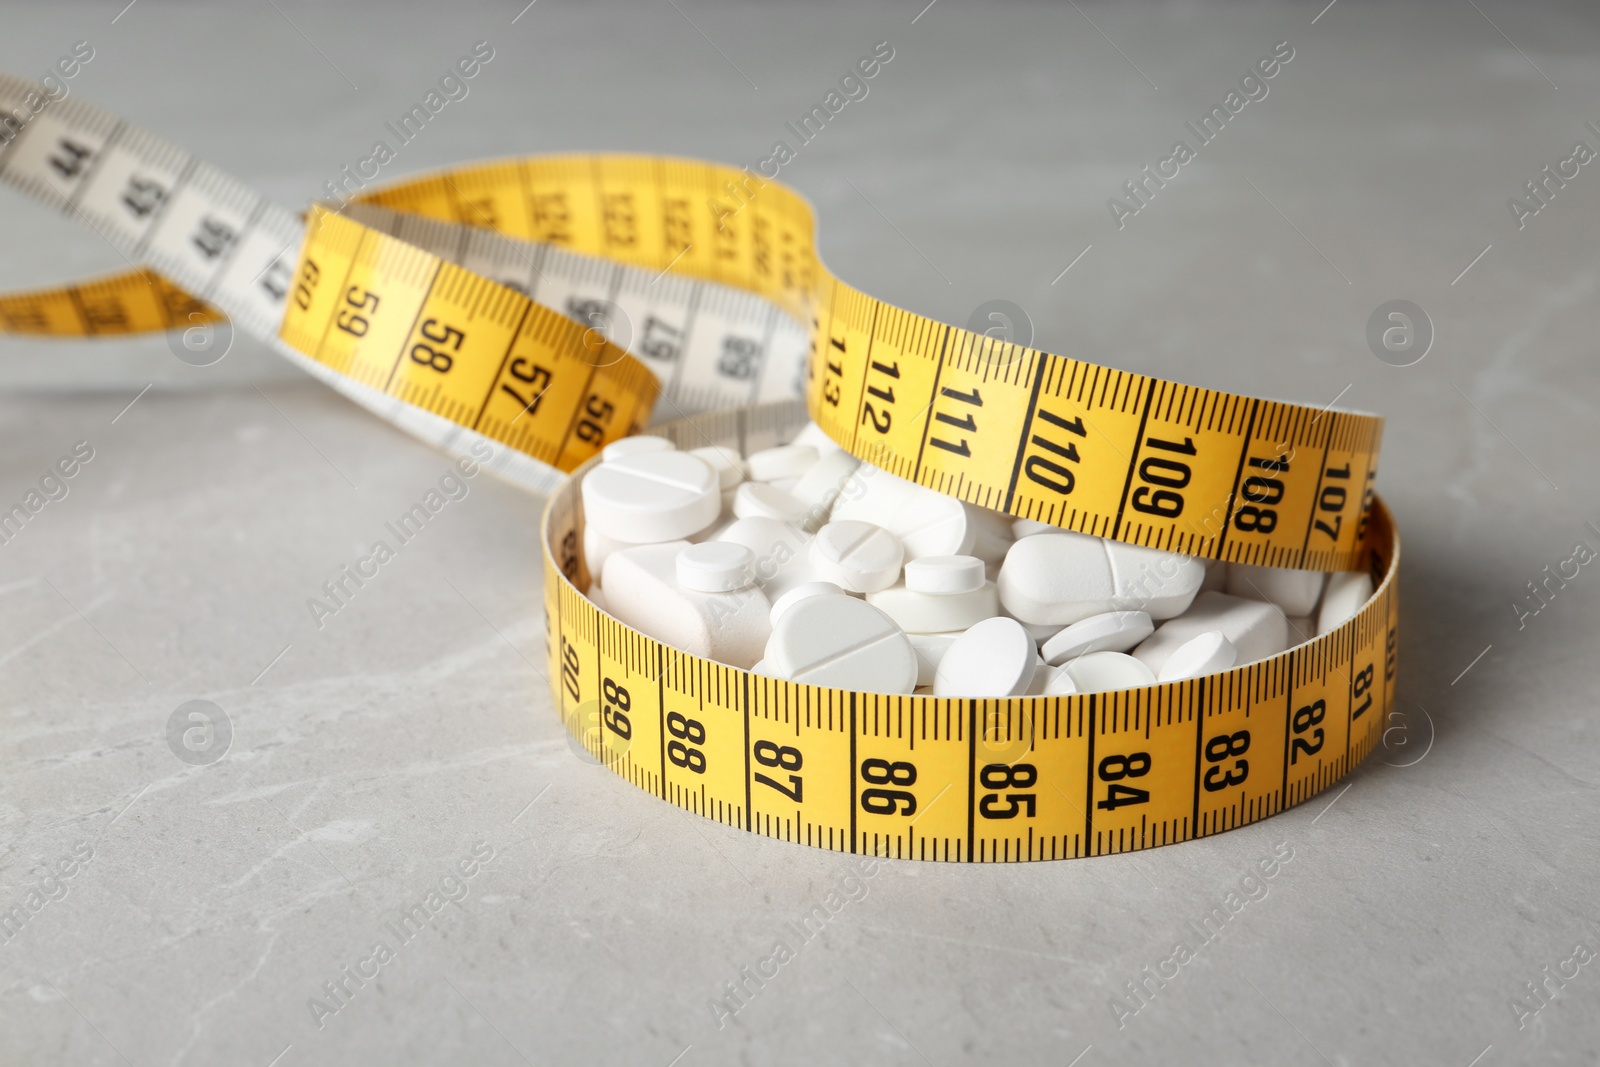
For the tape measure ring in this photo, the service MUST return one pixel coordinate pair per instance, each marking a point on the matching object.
(921, 777)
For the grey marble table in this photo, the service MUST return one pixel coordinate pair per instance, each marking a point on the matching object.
(212, 909)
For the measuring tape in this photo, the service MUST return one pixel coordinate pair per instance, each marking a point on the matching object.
(503, 301)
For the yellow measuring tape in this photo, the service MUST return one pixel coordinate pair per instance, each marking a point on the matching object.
(414, 300)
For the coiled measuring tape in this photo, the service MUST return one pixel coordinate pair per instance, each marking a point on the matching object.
(498, 301)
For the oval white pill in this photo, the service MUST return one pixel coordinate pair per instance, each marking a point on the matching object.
(944, 574)
(937, 612)
(928, 523)
(1206, 654)
(754, 500)
(1057, 578)
(857, 556)
(1347, 592)
(793, 596)
(1102, 672)
(821, 485)
(785, 461)
(1295, 592)
(844, 643)
(715, 567)
(1114, 631)
(725, 461)
(632, 446)
(651, 496)
(995, 658)
(1256, 628)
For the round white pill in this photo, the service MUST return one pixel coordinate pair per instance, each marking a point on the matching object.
(651, 496)
(857, 556)
(995, 658)
(1206, 654)
(1101, 672)
(944, 574)
(785, 461)
(793, 596)
(715, 567)
(1114, 631)
(635, 445)
(844, 643)
(725, 461)
(753, 500)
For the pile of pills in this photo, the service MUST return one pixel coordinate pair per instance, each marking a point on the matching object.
(801, 562)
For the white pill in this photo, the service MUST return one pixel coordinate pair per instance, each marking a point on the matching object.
(651, 496)
(781, 559)
(1256, 628)
(995, 658)
(844, 643)
(821, 485)
(715, 567)
(725, 461)
(793, 596)
(1021, 528)
(991, 534)
(1102, 672)
(597, 596)
(930, 649)
(1057, 578)
(764, 668)
(1348, 592)
(786, 484)
(756, 500)
(856, 556)
(1208, 653)
(1114, 631)
(596, 547)
(1040, 632)
(1294, 591)
(785, 461)
(642, 590)
(937, 612)
(1064, 577)
(635, 445)
(1216, 579)
(1057, 682)
(1154, 580)
(927, 523)
(944, 574)
(815, 436)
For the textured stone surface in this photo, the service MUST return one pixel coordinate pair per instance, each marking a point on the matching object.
(380, 749)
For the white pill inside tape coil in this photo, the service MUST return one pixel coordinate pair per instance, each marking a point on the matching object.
(725, 461)
(785, 461)
(856, 556)
(944, 574)
(755, 500)
(995, 658)
(646, 497)
(635, 445)
(715, 567)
